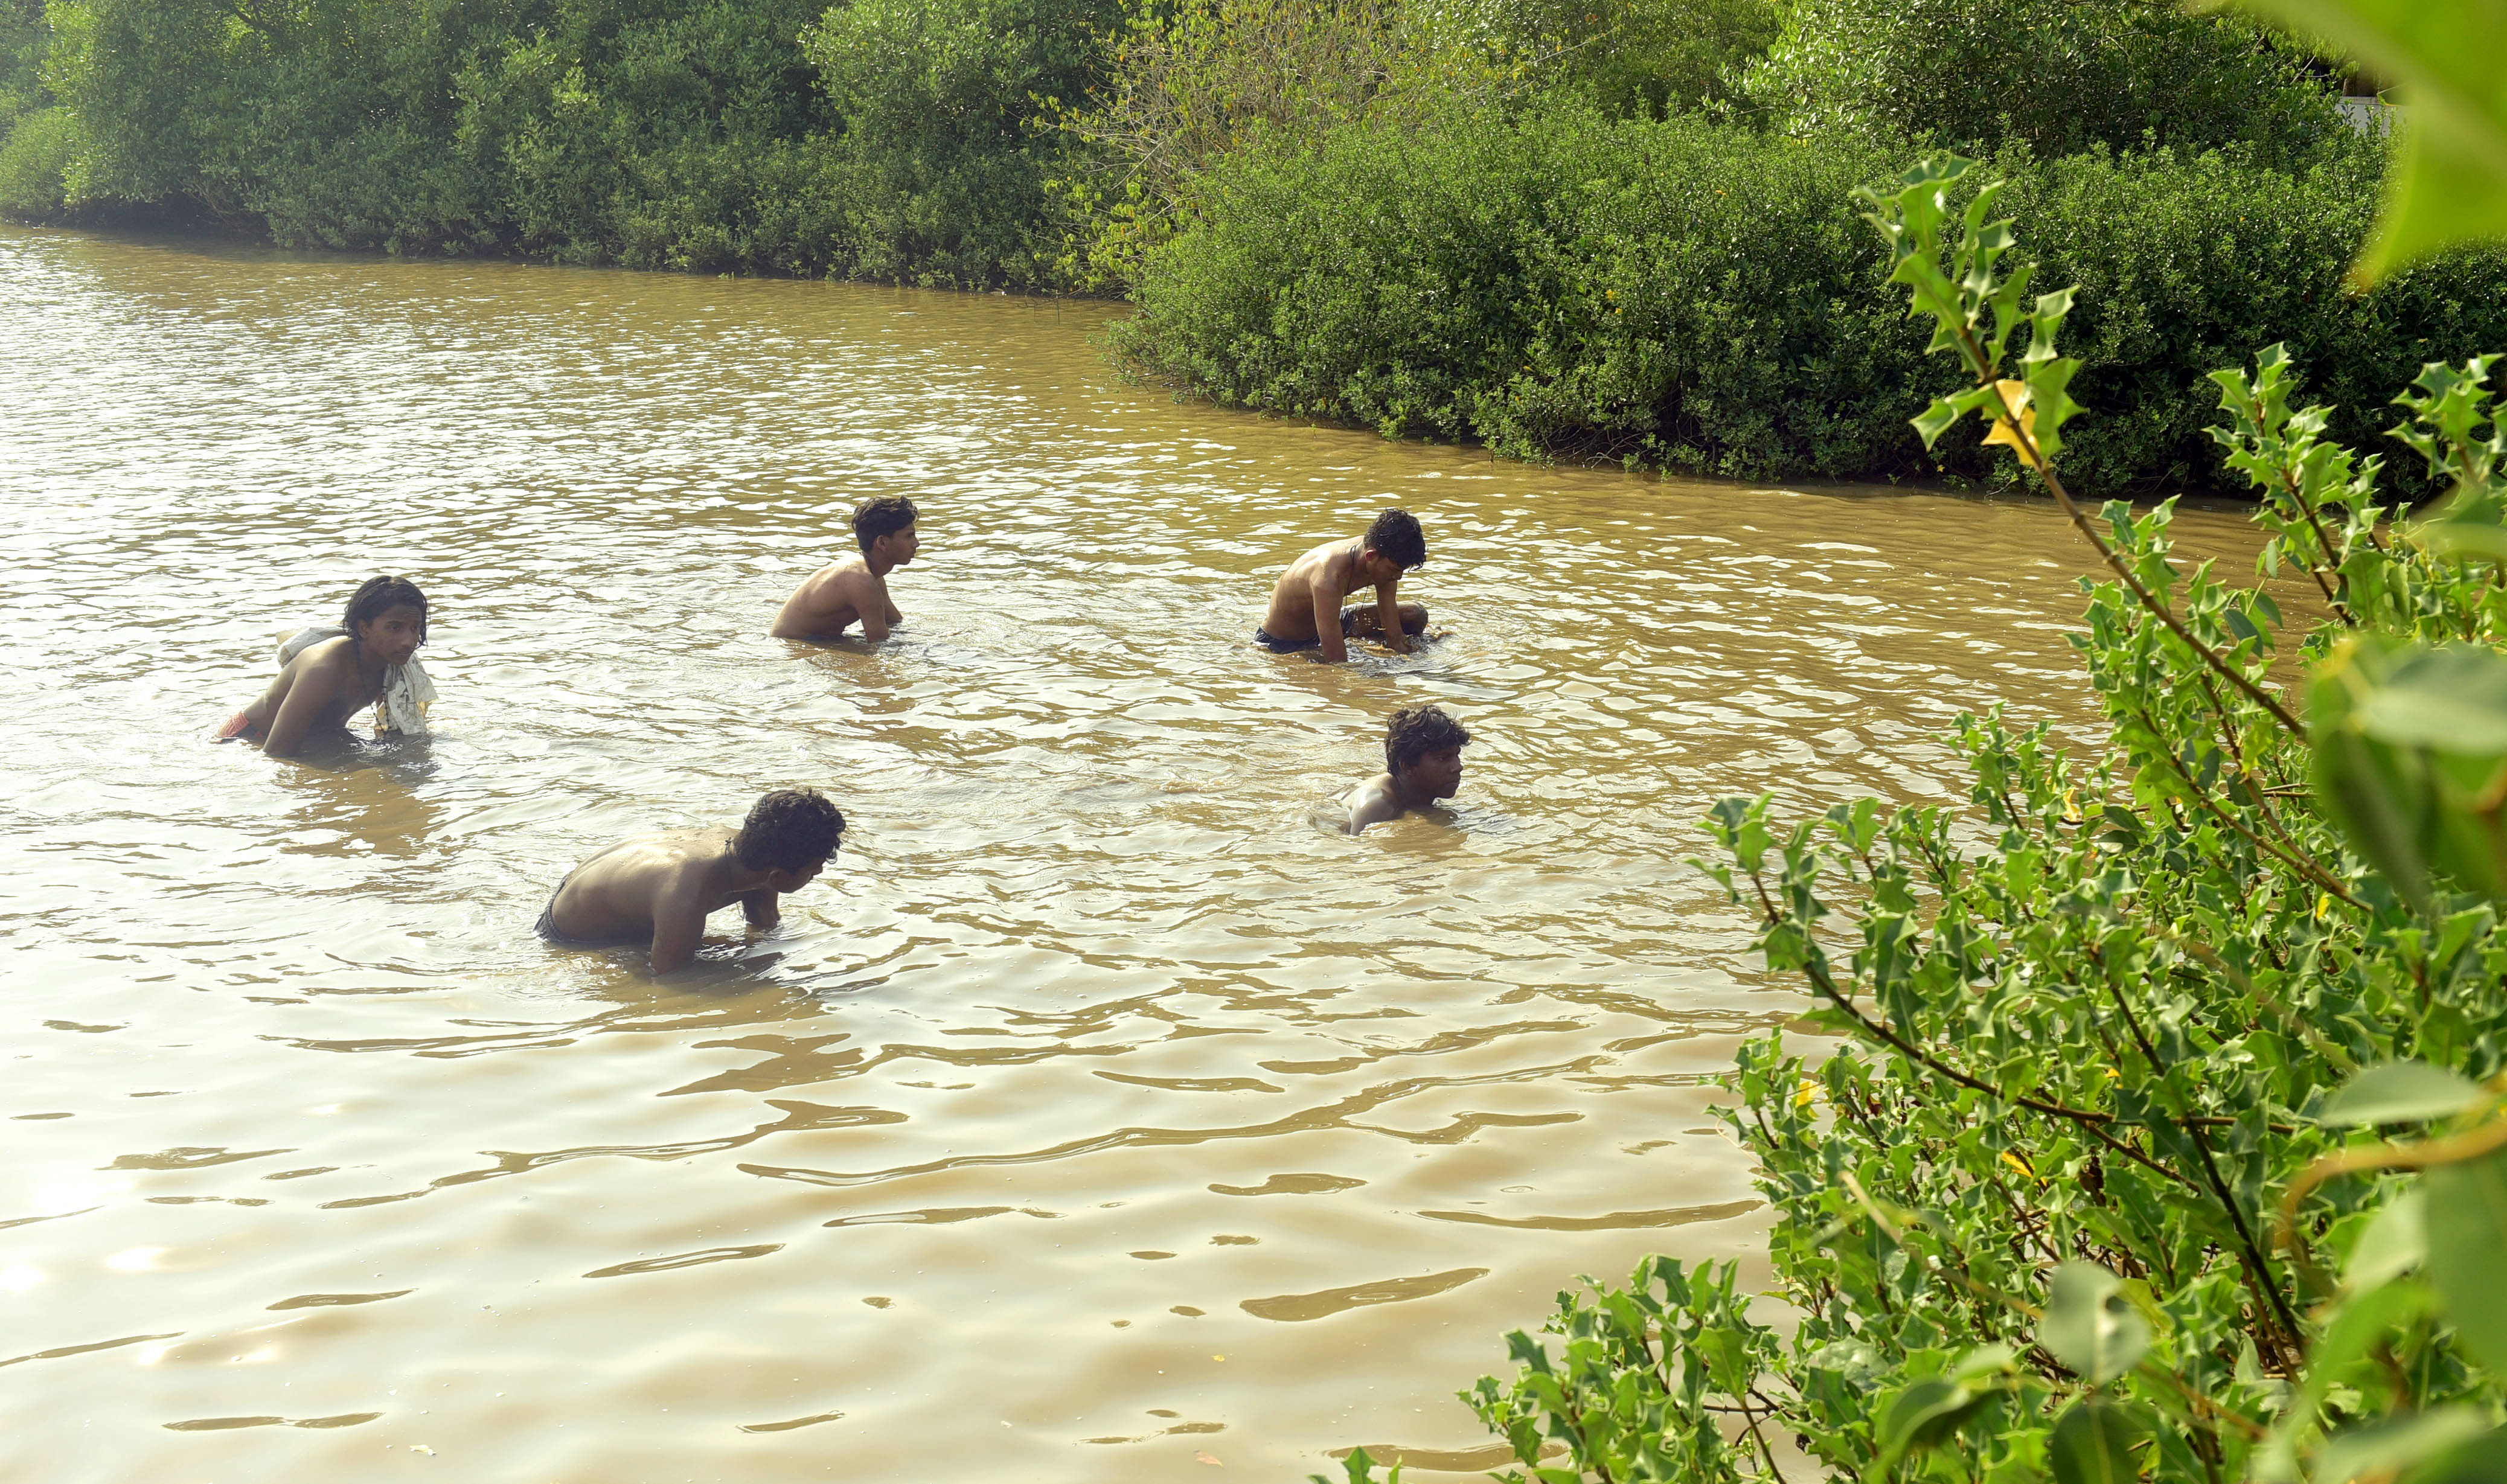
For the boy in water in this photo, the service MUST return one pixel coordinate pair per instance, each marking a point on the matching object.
(1305, 605)
(326, 677)
(856, 588)
(1423, 760)
(662, 886)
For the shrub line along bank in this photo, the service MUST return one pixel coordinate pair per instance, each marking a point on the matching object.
(1694, 294)
(1551, 269)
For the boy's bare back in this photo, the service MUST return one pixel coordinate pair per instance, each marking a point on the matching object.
(833, 599)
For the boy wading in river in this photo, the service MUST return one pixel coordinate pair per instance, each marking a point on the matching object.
(1423, 760)
(662, 886)
(1306, 610)
(328, 675)
(855, 589)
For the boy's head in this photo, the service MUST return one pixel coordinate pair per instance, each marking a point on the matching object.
(1423, 750)
(885, 528)
(790, 832)
(1396, 538)
(388, 615)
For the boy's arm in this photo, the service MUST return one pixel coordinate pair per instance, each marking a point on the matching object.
(1388, 616)
(678, 925)
(762, 908)
(1327, 596)
(870, 601)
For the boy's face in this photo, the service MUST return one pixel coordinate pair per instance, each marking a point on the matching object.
(784, 882)
(1377, 567)
(393, 633)
(1437, 775)
(898, 547)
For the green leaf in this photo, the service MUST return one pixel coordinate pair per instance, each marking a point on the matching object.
(2482, 1460)
(2395, 1241)
(1924, 1414)
(2399, 1092)
(2382, 1447)
(1984, 1360)
(2410, 748)
(2448, 183)
(2093, 1443)
(2090, 1327)
(2466, 1219)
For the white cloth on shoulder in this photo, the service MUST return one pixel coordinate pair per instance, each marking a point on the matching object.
(407, 691)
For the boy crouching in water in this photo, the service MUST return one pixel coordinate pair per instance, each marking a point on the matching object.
(327, 675)
(1306, 611)
(662, 886)
(1423, 760)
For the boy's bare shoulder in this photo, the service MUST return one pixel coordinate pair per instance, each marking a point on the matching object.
(1371, 802)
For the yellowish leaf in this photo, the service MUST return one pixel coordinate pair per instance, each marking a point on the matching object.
(2014, 404)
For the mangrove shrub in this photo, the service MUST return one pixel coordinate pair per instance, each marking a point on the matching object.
(1692, 294)
(2165, 1133)
(2060, 76)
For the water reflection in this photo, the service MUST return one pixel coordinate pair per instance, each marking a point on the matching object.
(1085, 982)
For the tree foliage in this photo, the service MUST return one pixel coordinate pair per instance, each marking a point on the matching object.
(2060, 75)
(1695, 294)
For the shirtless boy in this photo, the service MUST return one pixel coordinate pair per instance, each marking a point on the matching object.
(855, 589)
(662, 886)
(1306, 610)
(1423, 760)
(332, 679)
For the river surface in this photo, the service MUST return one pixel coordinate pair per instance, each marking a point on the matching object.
(1096, 1117)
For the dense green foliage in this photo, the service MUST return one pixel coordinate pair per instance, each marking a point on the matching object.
(2058, 75)
(2083, 1189)
(892, 138)
(1698, 294)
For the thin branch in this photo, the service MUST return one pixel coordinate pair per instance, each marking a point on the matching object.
(2031, 455)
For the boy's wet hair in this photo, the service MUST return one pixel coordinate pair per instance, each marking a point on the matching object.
(885, 515)
(1415, 731)
(791, 829)
(1396, 537)
(376, 596)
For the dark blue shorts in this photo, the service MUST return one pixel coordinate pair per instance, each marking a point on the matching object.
(1277, 645)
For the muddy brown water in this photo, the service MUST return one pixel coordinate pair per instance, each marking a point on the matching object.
(1097, 1117)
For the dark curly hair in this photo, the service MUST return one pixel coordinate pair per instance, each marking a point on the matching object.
(884, 515)
(1395, 535)
(1415, 731)
(377, 595)
(790, 829)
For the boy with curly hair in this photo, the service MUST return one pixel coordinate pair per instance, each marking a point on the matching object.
(1306, 610)
(1423, 762)
(662, 886)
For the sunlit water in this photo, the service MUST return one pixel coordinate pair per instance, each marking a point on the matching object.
(1098, 1116)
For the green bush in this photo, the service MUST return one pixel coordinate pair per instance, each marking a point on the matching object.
(32, 160)
(1690, 294)
(2056, 75)
(944, 105)
(1560, 283)
(900, 141)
